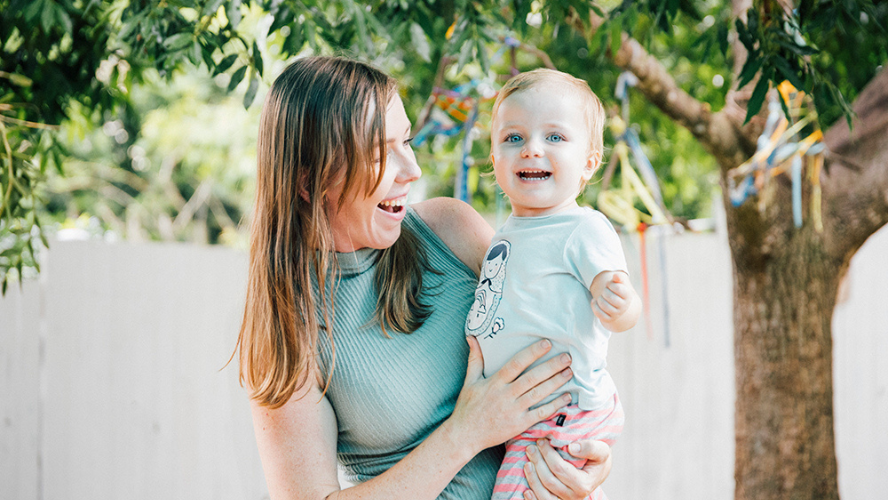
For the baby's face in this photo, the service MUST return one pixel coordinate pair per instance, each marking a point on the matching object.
(540, 148)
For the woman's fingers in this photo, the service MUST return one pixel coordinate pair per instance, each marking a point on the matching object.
(522, 360)
(542, 391)
(598, 459)
(540, 374)
(537, 491)
(595, 452)
(542, 479)
(476, 361)
(557, 478)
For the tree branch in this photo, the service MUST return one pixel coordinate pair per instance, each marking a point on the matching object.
(855, 186)
(719, 133)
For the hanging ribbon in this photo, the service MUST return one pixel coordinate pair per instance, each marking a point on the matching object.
(779, 150)
(643, 185)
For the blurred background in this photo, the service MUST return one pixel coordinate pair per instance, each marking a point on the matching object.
(129, 133)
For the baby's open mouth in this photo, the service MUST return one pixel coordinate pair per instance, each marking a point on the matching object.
(534, 175)
(392, 206)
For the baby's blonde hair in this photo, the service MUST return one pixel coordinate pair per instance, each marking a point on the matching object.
(592, 107)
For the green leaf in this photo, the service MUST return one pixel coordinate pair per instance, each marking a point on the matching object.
(236, 78)
(616, 36)
(20, 80)
(596, 9)
(282, 17)
(195, 53)
(178, 41)
(750, 68)
(744, 35)
(420, 42)
(294, 42)
(752, 19)
(211, 7)
(758, 97)
(788, 72)
(257, 58)
(465, 54)
(47, 18)
(482, 56)
(251, 91)
(63, 19)
(224, 64)
(722, 38)
(232, 11)
(797, 49)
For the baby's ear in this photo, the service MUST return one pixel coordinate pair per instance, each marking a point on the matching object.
(592, 164)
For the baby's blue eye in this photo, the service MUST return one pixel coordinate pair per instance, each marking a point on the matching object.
(556, 138)
(513, 138)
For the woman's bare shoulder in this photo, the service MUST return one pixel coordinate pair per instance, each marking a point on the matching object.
(459, 226)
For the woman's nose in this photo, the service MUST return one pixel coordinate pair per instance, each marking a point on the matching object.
(408, 169)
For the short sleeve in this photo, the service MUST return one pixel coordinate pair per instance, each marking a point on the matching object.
(594, 247)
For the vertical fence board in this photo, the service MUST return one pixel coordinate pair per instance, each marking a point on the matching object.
(860, 373)
(135, 402)
(20, 392)
(678, 398)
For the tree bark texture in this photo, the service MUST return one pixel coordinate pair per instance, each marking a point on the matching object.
(783, 303)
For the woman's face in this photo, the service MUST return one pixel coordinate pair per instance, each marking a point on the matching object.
(374, 220)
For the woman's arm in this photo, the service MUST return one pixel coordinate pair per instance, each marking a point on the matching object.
(297, 442)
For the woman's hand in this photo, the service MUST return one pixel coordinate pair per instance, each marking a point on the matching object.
(490, 411)
(551, 477)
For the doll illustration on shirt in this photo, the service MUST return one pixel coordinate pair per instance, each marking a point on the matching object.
(482, 315)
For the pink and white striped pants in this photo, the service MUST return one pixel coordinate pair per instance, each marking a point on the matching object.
(568, 425)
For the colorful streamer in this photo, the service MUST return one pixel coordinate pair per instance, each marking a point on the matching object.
(779, 150)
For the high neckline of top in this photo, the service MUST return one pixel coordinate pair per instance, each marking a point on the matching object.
(351, 263)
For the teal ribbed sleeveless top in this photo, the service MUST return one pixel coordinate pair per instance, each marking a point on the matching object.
(390, 393)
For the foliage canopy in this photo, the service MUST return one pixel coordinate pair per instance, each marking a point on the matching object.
(94, 62)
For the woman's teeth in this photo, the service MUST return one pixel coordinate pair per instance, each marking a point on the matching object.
(392, 206)
(534, 175)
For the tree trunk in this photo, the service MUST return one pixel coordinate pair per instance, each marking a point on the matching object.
(786, 282)
(785, 278)
(785, 446)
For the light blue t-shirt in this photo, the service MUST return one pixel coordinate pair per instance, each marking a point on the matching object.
(535, 284)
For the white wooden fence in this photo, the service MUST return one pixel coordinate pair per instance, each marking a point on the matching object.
(111, 388)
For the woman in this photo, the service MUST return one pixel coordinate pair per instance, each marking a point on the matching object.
(383, 388)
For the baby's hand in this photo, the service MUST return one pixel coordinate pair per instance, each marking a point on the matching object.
(614, 300)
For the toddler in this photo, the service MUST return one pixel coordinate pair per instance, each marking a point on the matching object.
(555, 270)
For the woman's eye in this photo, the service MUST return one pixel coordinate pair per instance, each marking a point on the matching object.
(409, 141)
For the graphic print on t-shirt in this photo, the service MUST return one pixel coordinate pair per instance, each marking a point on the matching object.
(482, 320)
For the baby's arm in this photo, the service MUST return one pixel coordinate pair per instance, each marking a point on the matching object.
(614, 301)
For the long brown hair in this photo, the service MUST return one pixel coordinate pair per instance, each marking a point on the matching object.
(323, 120)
